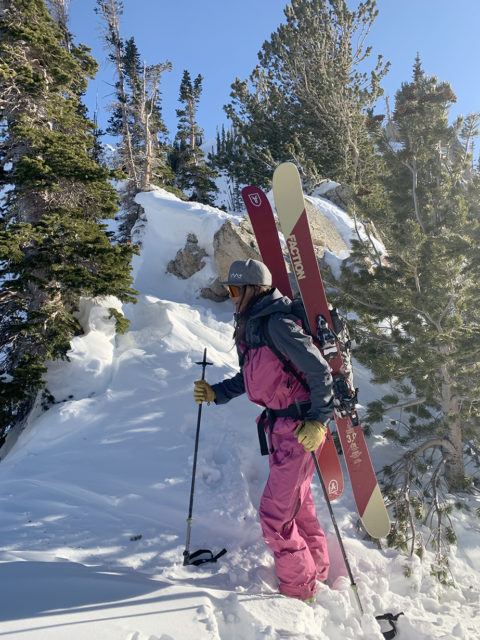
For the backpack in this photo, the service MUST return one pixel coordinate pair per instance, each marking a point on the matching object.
(325, 339)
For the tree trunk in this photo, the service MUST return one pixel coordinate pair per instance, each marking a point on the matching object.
(147, 135)
(455, 466)
(127, 140)
(114, 43)
(59, 9)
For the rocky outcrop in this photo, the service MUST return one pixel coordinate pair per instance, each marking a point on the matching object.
(232, 242)
(341, 195)
(188, 260)
(324, 233)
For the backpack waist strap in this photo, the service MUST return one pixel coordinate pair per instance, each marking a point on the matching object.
(297, 411)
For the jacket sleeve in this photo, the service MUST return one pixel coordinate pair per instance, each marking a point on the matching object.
(298, 347)
(228, 389)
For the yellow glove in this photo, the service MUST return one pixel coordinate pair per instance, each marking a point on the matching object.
(203, 392)
(310, 434)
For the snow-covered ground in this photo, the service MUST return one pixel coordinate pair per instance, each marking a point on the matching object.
(94, 495)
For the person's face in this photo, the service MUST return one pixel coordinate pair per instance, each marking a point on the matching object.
(239, 295)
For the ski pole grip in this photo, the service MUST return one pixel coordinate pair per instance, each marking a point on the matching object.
(204, 363)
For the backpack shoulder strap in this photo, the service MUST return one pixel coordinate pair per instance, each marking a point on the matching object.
(287, 365)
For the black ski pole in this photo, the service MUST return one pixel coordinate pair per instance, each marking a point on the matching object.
(389, 617)
(193, 558)
(339, 537)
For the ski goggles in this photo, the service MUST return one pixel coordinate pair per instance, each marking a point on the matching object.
(233, 290)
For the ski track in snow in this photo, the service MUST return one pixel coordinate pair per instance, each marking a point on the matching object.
(95, 492)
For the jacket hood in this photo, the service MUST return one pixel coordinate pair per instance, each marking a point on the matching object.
(273, 302)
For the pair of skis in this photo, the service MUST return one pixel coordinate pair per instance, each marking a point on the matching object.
(290, 206)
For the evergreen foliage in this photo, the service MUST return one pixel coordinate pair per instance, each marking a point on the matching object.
(53, 246)
(144, 117)
(111, 10)
(59, 11)
(306, 100)
(137, 117)
(419, 304)
(187, 158)
(226, 158)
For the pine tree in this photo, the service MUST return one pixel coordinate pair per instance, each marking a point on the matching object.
(136, 117)
(187, 159)
(306, 100)
(59, 10)
(226, 158)
(53, 246)
(111, 10)
(420, 303)
(147, 128)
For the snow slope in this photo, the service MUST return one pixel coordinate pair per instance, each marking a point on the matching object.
(95, 492)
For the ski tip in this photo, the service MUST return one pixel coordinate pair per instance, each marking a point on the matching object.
(283, 169)
(254, 196)
(286, 166)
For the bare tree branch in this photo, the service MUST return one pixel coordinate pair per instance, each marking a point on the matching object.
(404, 405)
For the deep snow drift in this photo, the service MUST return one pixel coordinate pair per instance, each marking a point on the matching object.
(95, 492)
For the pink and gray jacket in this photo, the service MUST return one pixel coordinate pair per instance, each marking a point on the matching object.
(262, 375)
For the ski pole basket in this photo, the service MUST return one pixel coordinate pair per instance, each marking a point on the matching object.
(195, 559)
(389, 617)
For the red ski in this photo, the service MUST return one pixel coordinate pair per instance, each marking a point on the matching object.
(290, 205)
(265, 230)
(264, 227)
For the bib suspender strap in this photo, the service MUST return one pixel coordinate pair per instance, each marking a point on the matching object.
(287, 365)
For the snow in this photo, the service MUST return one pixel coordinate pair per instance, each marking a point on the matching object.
(95, 492)
(325, 186)
(343, 223)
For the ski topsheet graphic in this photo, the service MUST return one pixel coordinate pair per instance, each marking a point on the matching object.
(289, 202)
(263, 223)
(264, 227)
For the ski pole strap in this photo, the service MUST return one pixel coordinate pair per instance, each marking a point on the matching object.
(389, 617)
(200, 552)
(297, 411)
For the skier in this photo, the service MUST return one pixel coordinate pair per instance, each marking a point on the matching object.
(293, 421)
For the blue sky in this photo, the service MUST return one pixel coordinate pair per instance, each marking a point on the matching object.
(220, 39)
